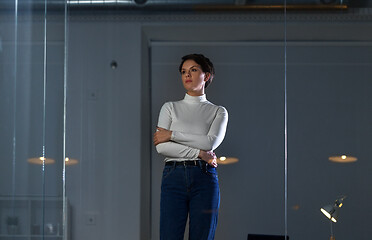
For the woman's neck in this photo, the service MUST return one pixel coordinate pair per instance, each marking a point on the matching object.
(195, 94)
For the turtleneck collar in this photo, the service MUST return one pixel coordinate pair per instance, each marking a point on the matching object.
(195, 99)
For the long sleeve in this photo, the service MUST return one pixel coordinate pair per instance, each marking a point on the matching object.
(196, 125)
(171, 149)
(207, 142)
(176, 150)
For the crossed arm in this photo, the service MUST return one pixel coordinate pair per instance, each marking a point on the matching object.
(164, 136)
(188, 145)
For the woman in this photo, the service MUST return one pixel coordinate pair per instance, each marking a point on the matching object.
(187, 134)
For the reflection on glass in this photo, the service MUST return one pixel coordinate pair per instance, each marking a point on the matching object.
(329, 74)
(41, 160)
(71, 161)
(31, 86)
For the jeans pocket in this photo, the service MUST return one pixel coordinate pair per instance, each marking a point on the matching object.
(167, 171)
(211, 171)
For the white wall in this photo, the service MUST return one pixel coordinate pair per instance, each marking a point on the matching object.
(104, 125)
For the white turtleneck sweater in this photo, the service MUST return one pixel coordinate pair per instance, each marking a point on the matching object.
(196, 124)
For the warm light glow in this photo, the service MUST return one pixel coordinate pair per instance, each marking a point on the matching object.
(227, 160)
(296, 207)
(41, 160)
(70, 161)
(342, 159)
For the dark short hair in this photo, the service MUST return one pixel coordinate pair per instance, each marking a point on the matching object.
(204, 62)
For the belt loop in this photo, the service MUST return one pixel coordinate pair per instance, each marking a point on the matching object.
(184, 163)
(204, 165)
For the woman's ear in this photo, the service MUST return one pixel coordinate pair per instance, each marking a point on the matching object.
(207, 76)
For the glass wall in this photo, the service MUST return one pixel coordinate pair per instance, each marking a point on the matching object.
(123, 66)
(32, 55)
(329, 124)
(78, 160)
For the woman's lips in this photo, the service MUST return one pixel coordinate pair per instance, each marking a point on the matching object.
(188, 80)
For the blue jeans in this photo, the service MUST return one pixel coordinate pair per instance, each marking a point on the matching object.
(193, 191)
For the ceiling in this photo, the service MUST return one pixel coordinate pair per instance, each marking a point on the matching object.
(190, 3)
(175, 4)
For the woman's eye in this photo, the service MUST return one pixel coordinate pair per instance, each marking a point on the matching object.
(194, 69)
(183, 72)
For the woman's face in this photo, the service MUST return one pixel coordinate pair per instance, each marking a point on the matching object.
(193, 78)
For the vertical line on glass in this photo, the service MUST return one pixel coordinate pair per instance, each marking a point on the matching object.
(285, 126)
(64, 196)
(14, 141)
(44, 112)
(150, 137)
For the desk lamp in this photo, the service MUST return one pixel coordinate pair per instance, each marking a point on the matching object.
(332, 211)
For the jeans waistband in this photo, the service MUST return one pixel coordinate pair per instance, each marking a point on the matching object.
(185, 163)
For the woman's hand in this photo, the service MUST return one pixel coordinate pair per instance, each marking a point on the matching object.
(210, 157)
(161, 135)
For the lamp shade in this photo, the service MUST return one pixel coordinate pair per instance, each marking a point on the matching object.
(331, 212)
